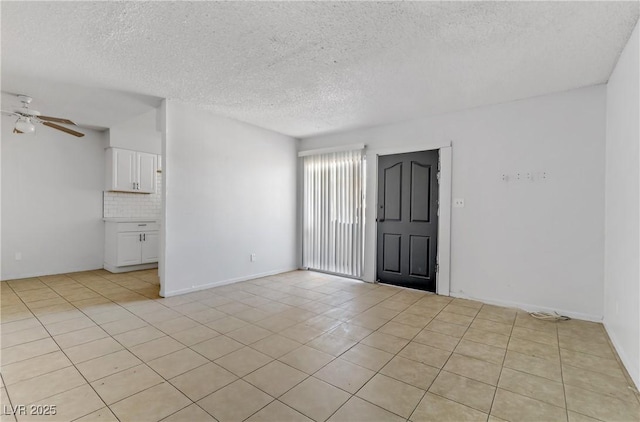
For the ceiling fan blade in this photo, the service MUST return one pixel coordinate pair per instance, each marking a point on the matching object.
(57, 120)
(64, 129)
(8, 113)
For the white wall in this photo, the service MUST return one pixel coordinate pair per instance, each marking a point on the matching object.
(622, 208)
(51, 201)
(140, 133)
(230, 192)
(536, 245)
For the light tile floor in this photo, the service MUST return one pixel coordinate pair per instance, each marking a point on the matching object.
(298, 346)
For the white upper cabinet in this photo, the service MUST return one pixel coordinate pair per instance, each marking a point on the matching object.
(146, 172)
(130, 171)
(123, 166)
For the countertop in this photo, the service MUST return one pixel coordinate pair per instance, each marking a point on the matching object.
(131, 219)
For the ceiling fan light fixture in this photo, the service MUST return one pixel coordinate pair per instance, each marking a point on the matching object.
(28, 117)
(24, 125)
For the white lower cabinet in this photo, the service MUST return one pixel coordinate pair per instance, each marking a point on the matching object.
(128, 249)
(150, 247)
(131, 245)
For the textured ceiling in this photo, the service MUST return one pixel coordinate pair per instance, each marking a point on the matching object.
(305, 68)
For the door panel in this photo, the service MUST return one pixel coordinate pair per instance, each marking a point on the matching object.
(408, 219)
(393, 193)
(391, 253)
(150, 247)
(420, 177)
(124, 164)
(146, 172)
(128, 248)
(419, 256)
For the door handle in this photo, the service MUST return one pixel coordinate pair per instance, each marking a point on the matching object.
(144, 237)
(140, 237)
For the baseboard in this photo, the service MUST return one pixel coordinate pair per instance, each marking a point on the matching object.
(529, 307)
(223, 282)
(632, 369)
(47, 273)
(129, 268)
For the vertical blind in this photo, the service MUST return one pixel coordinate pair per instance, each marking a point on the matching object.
(333, 212)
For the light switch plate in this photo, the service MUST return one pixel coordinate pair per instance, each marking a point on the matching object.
(458, 203)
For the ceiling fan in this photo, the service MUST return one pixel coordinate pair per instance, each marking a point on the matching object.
(27, 117)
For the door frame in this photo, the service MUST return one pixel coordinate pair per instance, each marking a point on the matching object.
(443, 278)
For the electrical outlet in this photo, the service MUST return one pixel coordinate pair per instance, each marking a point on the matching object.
(18, 256)
(253, 257)
(458, 203)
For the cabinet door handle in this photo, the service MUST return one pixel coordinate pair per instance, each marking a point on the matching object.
(144, 237)
(134, 185)
(140, 235)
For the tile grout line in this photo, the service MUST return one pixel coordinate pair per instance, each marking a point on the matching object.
(472, 357)
(319, 369)
(284, 363)
(6, 391)
(308, 375)
(74, 366)
(143, 363)
(564, 388)
(109, 334)
(443, 365)
(495, 393)
(351, 395)
(395, 355)
(273, 360)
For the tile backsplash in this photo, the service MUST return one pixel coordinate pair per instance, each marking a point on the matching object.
(123, 204)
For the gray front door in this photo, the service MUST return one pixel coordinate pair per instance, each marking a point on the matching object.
(408, 219)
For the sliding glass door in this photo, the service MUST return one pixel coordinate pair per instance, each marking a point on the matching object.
(334, 212)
